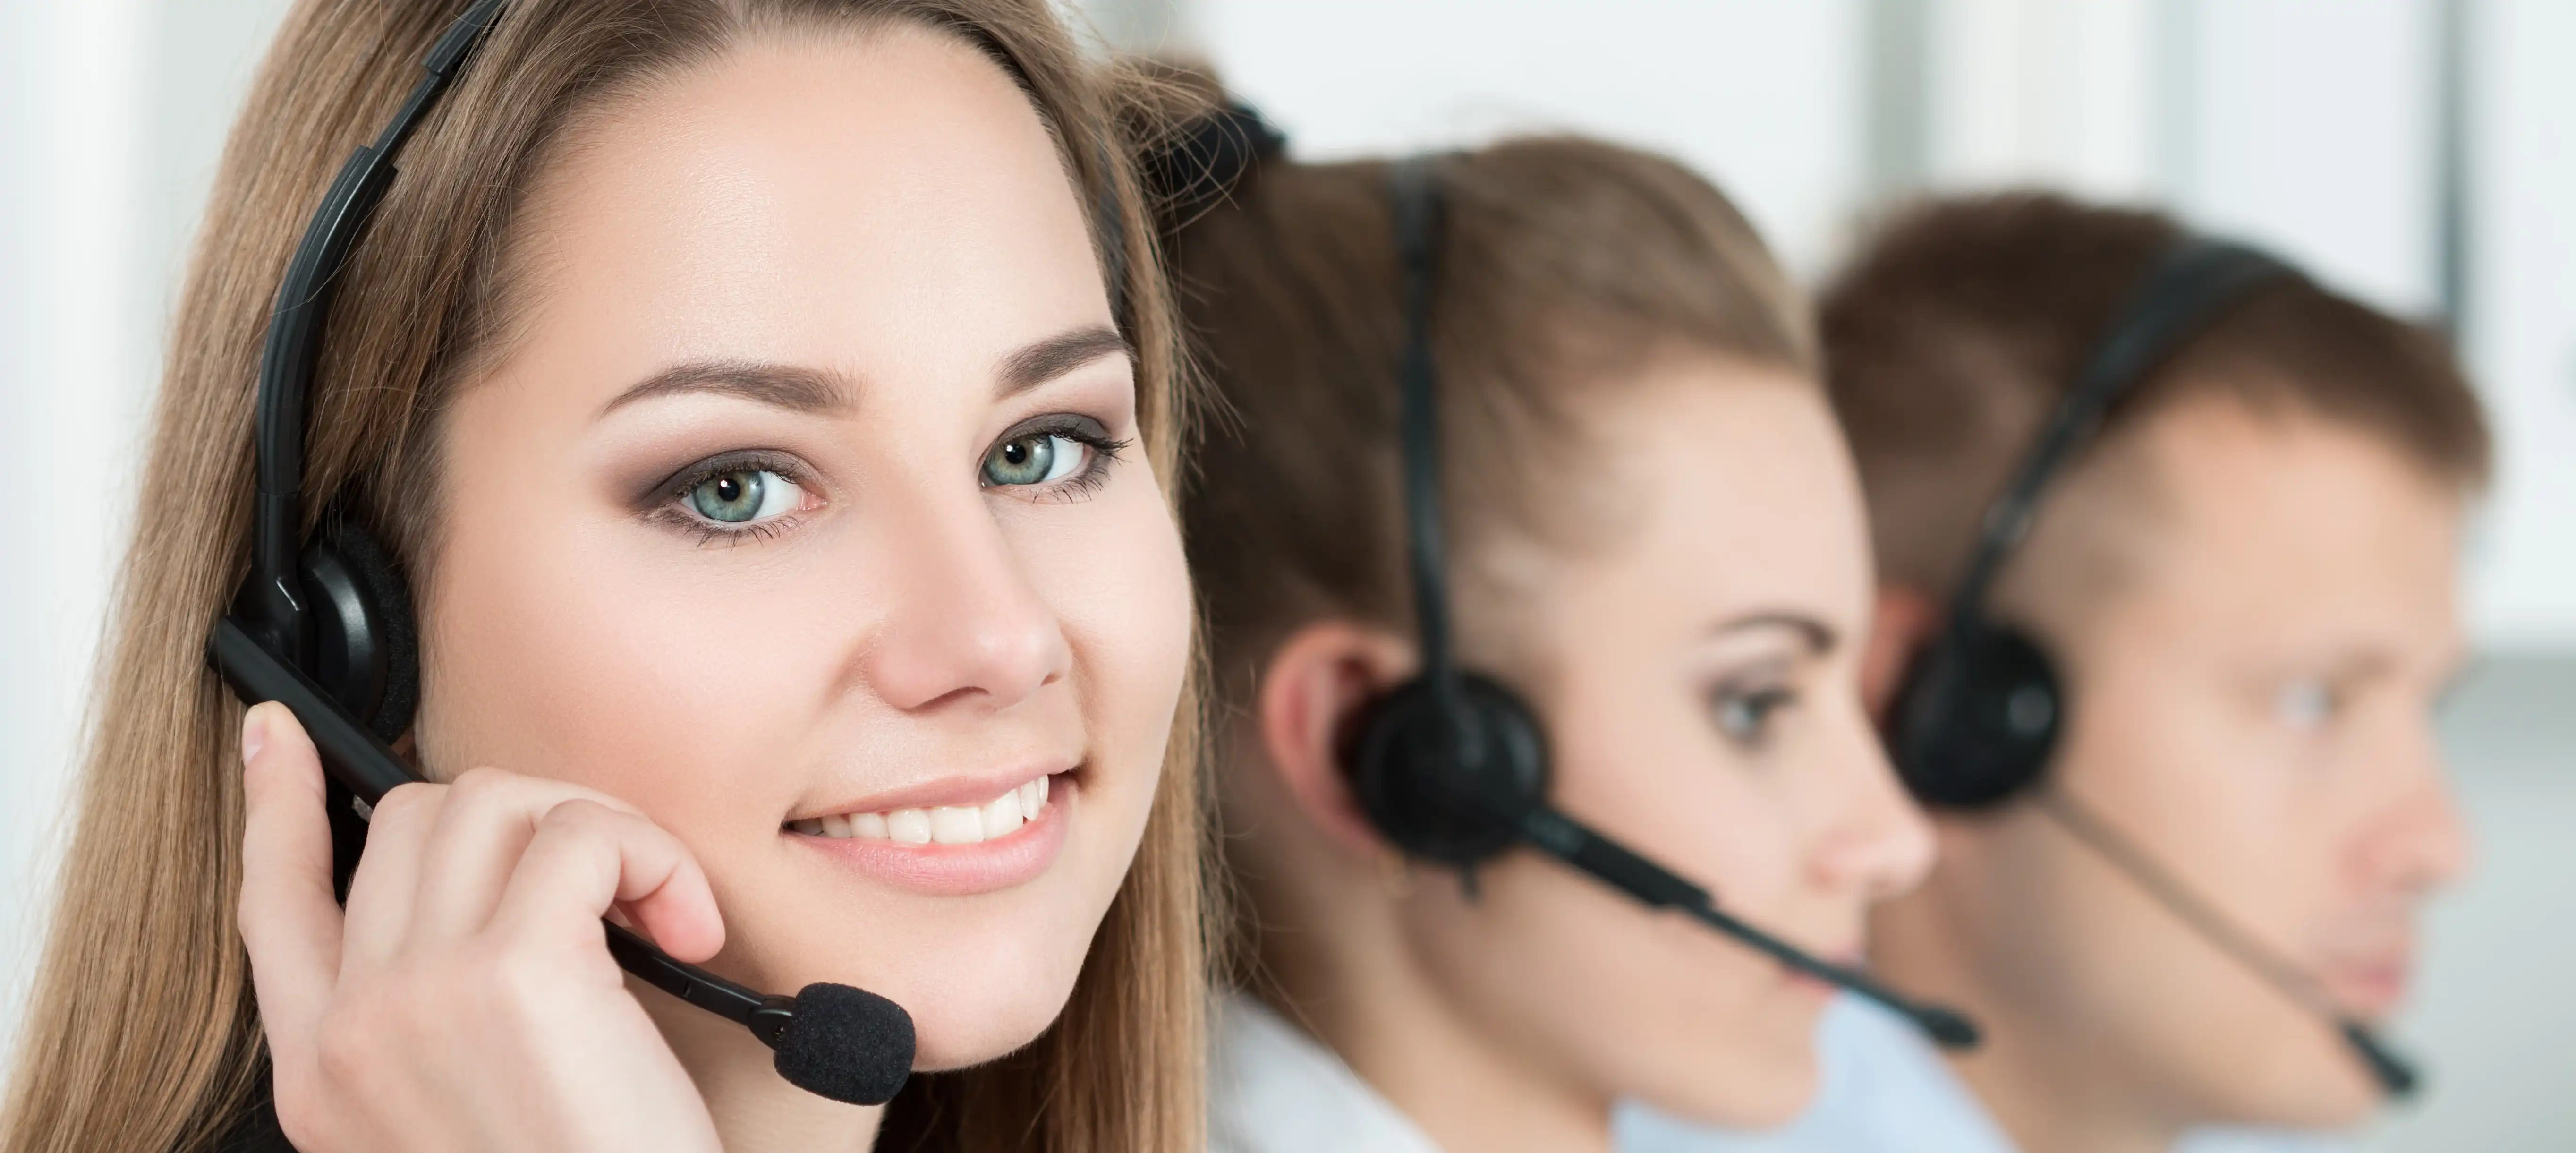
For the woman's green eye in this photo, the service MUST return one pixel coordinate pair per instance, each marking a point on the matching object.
(1034, 458)
(744, 495)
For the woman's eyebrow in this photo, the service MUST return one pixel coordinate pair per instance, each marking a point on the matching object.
(1045, 360)
(781, 385)
(1820, 637)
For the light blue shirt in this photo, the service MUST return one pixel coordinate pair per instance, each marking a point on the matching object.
(1273, 1089)
(1886, 1090)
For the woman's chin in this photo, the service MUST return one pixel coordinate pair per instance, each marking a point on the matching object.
(1767, 1097)
(966, 1029)
(1762, 1078)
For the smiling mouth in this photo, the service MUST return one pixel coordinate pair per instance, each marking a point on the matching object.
(939, 825)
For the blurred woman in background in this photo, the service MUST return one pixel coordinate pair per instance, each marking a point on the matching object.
(1655, 539)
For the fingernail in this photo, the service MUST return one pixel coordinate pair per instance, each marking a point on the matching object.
(254, 733)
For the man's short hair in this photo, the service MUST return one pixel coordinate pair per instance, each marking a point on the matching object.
(1961, 327)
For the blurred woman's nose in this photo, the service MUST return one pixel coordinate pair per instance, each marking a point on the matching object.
(1876, 842)
(966, 626)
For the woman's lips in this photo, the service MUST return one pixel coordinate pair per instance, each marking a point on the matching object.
(951, 850)
(991, 818)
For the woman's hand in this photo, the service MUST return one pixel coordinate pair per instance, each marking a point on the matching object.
(465, 1000)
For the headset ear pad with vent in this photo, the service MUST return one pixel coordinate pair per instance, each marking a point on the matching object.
(365, 653)
(1440, 805)
(1977, 720)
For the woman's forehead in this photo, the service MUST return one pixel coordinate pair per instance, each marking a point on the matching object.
(1706, 497)
(914, 193)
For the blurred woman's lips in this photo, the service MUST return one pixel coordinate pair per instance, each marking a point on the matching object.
(951, 849)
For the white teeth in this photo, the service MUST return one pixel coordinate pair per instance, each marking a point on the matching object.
(908, 826)
(1002, 817)
(950, 825)
(946, 825)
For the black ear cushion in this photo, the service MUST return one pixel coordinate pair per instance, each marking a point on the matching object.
(387, 624)
(1446, 790)
(1977, 721)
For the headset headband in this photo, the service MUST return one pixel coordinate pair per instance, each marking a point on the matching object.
(273, 601)
(1420, 210)
(2191, 286)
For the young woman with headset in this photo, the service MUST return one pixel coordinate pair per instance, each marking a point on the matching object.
(725, 458)
(1536, 574)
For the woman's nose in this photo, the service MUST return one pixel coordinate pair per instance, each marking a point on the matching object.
(1878, 843)
(967, 628)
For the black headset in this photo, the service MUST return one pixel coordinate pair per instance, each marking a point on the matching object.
(324, 625)
(1451, 767)
(1979, 710)
(1978, 713)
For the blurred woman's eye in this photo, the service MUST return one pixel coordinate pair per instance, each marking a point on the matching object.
(745, 496)
(1062, 454)
(1748, 715)
(2307, 703)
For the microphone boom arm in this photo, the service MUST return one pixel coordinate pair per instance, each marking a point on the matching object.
(1569, 841)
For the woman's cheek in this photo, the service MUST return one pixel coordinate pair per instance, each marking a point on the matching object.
(1121, 591)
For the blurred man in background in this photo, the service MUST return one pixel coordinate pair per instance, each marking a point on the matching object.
(2244, 580)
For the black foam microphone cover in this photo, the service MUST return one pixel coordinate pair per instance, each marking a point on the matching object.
(846, 1044)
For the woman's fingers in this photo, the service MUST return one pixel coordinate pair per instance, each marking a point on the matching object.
(484, 823)
(290, 922)
(585, 857)
(467, 969)
(383, 893)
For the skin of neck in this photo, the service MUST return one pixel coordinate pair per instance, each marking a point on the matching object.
(754, 1108)
(2048, 1091)
(1343, 972)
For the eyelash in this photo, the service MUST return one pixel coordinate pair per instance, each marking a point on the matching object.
(1080, 430)
(672, 495)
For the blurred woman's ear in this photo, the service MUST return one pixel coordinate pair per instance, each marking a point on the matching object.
(1901, 622)
(1317, 683)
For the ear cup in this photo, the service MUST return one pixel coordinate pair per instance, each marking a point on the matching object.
(1443, 783)
(1977, 720)
(365, 653)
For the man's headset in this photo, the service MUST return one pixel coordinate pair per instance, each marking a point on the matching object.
(1979, 712)
(1452, 767)
(326, 628)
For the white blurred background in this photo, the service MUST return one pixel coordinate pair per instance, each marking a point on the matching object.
(2421, 153)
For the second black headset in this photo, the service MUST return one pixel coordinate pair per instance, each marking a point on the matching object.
(1978, 715)
(1452, 767)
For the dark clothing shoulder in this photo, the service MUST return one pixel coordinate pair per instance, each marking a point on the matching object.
(256, 1130)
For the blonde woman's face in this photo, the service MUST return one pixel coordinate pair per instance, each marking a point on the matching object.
(1696, 671)
(806, 509)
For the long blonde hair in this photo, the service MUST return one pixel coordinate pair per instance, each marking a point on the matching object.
(143, 1033)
